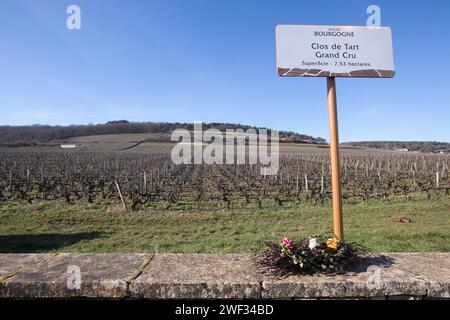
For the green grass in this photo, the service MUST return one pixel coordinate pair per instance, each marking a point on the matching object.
(57, 227)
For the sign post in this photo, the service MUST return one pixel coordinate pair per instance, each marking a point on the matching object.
(334, 51)
(335, 166)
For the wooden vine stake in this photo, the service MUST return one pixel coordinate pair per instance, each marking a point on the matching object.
(120, 195)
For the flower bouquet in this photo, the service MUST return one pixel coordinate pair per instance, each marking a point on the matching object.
(317, 254)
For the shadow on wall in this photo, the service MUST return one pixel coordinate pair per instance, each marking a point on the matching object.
(362, 263)
(30, 243)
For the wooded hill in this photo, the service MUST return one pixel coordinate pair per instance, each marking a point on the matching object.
(12, 136)
(421, 146)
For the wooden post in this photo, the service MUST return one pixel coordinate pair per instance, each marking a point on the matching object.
(145, 181)
(437, 179)
(120, 194)
(335, 167)
(322, 182)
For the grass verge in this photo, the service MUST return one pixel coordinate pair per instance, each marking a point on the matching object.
(396, 224)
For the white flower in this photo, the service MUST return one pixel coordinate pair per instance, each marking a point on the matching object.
(313, 243)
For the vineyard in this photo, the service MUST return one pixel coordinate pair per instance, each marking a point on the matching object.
(142, 180)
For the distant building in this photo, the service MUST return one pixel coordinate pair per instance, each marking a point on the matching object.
(68, 146)
(401, 150)
(442, 151)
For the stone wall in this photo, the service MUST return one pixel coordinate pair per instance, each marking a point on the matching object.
(162, 276)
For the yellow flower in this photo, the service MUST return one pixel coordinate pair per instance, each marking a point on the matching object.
(332, 243)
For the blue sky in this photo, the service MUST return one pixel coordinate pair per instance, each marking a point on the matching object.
(214, 60)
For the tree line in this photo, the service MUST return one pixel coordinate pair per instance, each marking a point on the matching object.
(421, 146)
(43, 134)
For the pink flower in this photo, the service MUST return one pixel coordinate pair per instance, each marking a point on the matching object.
(288, 243)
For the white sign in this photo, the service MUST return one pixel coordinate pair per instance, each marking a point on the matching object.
(334, 51)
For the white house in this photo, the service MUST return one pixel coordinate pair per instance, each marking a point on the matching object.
(68, 146)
